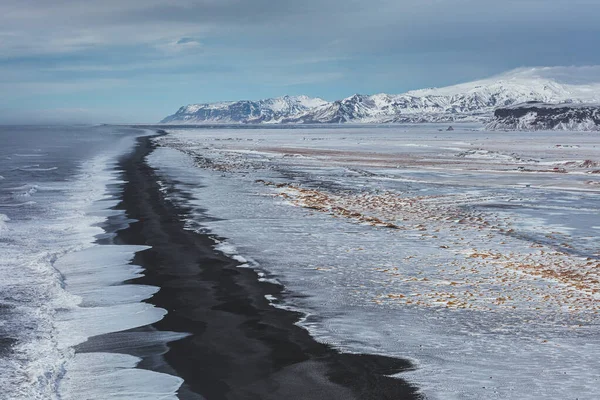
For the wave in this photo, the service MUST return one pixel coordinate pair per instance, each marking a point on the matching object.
(25, 187)
(3, 223)
(33, 169)
(108, 385)
(69, 289)
(16, 205)
(23, 192)
(26, 167)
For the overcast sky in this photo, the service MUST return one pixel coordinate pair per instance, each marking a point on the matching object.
(139, 60)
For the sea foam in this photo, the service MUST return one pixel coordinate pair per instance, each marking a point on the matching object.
(69, 288)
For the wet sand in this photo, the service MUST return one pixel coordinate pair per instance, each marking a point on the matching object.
(239, 347)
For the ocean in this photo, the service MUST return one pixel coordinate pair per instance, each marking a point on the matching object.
(59, 186)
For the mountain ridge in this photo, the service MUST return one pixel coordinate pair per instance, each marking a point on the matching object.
(244, 111)
(535, 116)
(471, 101)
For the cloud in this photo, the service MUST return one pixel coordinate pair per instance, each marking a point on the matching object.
(19, 89)
(42, 27)
(184, 44)
(331, 48)
(186, 40)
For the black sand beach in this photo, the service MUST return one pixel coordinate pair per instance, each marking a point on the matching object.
(240, 347)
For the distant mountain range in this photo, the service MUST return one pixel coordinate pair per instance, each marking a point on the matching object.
(245, 111)
(533, 116)
(474, 101)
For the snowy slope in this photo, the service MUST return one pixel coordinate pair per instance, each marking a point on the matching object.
(245, 111)
(464, 102)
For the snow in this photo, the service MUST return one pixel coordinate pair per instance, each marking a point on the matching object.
(193, 108)
(483, 270)
(467, 101)
(552, 83)
(269, 110)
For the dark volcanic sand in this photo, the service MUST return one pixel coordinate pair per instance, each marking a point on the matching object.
(240, 347)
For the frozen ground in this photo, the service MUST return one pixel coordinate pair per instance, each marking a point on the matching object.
(474, 254)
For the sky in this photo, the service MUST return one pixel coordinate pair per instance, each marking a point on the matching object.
(140, 60)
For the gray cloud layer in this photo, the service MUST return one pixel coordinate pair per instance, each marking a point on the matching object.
(341, 45)
(29, 27)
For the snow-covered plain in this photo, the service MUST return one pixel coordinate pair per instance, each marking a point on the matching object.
(474, 254)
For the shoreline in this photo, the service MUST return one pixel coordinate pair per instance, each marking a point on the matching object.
(239, 346)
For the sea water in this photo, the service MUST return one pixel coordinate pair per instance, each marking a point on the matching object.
(58, 286)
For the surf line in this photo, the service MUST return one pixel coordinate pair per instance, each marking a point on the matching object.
(239, 346)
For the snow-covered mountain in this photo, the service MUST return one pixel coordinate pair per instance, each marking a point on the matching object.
(464, 102)
(245, 111)
(534, 116)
